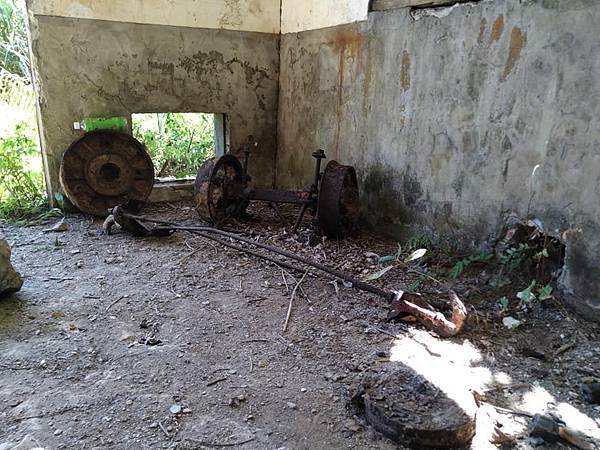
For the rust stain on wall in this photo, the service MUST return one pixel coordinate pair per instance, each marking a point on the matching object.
(497, 29)
(348, 45)
(482, 30)
(405, 71)
(517, 43)
(351, 42)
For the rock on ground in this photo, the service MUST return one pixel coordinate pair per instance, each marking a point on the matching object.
(10, 280)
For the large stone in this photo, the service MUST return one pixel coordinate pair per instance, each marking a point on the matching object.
(10, 279)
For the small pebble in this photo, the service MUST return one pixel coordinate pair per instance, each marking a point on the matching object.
(291, 405)
(57, 432)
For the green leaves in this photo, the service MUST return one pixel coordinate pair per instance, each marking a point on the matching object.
(417, 254)
(14, 49)
(22, 190)
(503, 302)
(458, 268)
(178, 143)
(545, 293)
(527, 295)
(377, 275)
(396, 257)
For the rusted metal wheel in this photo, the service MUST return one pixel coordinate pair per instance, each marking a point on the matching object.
(339, 205)
(106, 168)
(218, 189)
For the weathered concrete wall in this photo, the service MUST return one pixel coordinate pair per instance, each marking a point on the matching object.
(447, 117)
(241, 15)
(93, 68)
(313, 14)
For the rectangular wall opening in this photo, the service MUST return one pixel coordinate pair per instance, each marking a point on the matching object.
(179, 143)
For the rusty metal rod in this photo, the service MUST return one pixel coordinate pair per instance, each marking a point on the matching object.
(205, 230)
(358, 284)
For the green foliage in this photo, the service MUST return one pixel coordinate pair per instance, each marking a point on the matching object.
(503, 302)
(527, 295)
(177, 143)
(395, 258)
(14, 49)
(420, 240)
(545, 293)
(376, 275)
(461, 265)
(514, 257)
(417, 284)
(530, 293)
(391, 258)
(22, 190)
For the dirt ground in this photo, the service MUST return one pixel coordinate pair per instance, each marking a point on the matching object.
(176, 342)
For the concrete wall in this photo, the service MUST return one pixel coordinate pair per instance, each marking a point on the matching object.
(455, 116)
(313, 14)
(95, 68)
(240, 15)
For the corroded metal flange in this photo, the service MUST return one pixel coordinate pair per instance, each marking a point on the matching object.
(106, 168)
(339, 204)
(218, 189)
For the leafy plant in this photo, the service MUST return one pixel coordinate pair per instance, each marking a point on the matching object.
(391, 258)
(395, 258)
(417, 284)
(376, 275)
(514, 257)
(545, 293)
(178, 143)
(503, 302)
(14, 49)
(420, 240)
(22, 190)
(527, 295)
(461, 265)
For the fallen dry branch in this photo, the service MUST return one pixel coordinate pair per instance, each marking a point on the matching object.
(289, 311)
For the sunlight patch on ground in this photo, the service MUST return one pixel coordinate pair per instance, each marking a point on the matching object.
(540, 401)
(448, 365)
(455, 368)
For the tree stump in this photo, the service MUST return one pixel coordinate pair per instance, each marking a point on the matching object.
(405, 407)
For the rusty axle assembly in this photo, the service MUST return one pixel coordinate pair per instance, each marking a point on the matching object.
(402, 303)
(222, 191)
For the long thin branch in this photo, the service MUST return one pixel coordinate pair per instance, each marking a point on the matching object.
(289, 311)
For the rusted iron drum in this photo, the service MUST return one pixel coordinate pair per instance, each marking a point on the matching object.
(339, 206)
(105, 168)
(218, 189)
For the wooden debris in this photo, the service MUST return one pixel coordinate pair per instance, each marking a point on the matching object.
(575, 439)
(412, 304)
(500, 438)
